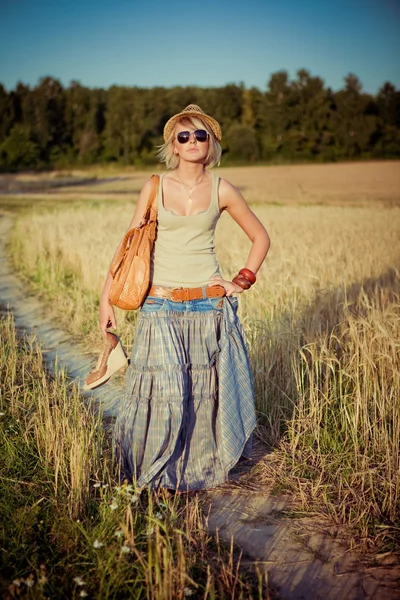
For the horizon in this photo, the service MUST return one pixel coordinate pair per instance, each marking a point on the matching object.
(166, 87)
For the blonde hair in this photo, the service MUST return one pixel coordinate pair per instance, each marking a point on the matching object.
(166, 152)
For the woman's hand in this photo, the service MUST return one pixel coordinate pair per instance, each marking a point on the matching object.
(229, 286)
(107, 316)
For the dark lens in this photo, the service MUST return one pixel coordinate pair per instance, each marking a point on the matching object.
(201, 135)
(183, 137)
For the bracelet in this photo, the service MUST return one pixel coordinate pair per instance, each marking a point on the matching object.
(249, 275)
(242, 282)
(245, 279)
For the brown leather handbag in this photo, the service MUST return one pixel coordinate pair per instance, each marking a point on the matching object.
(130, 267)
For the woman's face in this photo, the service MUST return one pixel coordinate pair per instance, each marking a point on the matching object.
(194, 149)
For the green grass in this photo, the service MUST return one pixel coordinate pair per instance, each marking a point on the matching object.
(68, 527)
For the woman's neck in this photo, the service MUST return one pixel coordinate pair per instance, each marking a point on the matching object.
(190, 171)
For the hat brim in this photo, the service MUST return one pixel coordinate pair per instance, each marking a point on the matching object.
(210, 121)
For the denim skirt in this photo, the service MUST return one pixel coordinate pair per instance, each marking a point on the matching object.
(188, 410)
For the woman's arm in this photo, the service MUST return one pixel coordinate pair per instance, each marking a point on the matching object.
(231, 200)
(106, 313)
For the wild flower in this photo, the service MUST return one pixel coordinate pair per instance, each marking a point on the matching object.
(134, 499)
(113, 506)
(17, 582)
(30, 581)
(159, 515)
(150, 530)
(96, 485)
(118, 533)
(188, 591)
(83, 594)
(97, 544)
(79, 581)
(42, 579)
(125, 549)
(2, 414)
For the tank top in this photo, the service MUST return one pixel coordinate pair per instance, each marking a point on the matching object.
(184, 254)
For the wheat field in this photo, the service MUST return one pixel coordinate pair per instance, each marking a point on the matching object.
(322, 322)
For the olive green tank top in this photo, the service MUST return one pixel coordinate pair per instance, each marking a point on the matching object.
(183, 254)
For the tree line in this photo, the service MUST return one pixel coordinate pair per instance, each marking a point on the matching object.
(50, 126)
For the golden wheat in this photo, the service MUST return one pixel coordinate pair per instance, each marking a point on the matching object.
(322, 321)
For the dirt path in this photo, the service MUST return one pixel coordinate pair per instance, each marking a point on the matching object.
(302, 558)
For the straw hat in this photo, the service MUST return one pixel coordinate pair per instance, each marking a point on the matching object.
(192, 111)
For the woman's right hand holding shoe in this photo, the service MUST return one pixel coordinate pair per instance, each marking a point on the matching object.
(107, 316)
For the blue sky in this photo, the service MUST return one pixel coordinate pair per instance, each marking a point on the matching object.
(151, 43)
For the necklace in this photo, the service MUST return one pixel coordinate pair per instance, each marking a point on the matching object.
(189, 189)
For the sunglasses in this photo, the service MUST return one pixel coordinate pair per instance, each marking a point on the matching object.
(200, 134)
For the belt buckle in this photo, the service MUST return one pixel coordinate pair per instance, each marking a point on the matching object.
(172, 291)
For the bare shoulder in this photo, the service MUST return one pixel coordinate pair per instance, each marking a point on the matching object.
(147, 187)
(228, 194)
(226, 186)
(146, 191)
(142, 202)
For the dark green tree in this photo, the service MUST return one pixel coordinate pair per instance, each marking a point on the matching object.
(291, 121)
(85, 122)
(43, 113)
(388, 101)
(18, 150)
(8, 115)
(354, 128)
(242, 142)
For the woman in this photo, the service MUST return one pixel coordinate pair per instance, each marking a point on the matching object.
(188, 411)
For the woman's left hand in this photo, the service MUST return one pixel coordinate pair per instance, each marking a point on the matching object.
(229, 286)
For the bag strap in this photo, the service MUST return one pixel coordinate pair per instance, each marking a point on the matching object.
(149, 216)
(151, 210)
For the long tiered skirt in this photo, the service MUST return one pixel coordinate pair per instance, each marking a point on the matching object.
(188, 411)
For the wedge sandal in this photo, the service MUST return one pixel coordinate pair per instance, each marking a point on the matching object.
(111, 360)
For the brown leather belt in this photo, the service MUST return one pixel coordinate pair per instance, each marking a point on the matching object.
(179, 294)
